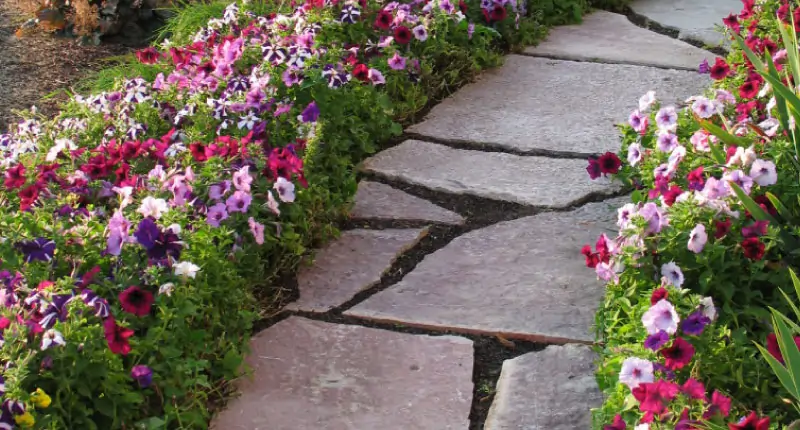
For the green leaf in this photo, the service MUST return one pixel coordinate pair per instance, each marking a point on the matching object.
(723, 136)
(751, 206)
(783, 211)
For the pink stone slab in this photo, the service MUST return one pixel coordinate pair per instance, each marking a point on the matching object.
(312, 375)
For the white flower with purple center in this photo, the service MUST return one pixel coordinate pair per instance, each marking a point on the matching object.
(624, 215)
(376, 77)
(770, 126)
(285, 189)
(52, 338)
(272, 204)
(673, 274)
(704, 108)
(420, 33)
(666, 141)
(239, 201)
(739, 178)
(697, 239)
(647, 101)
(763, 172)
(661, 317)
(707, 305)
(655, 216)
(724, 96)
(241, 179)
(634, 154)
(638, 121)
(397, 62)
(667, 118)
(716, 189)
(675, 158)
(636, 371)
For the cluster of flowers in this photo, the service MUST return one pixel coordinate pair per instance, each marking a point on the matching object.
(103, 204)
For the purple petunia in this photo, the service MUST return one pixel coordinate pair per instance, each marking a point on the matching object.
(143, 375)
(695, 323)
(39, 249)
(656, 341)
(310, 113)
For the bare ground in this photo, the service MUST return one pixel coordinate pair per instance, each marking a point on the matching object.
(36, 65)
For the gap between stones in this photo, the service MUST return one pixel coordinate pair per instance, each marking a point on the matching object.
(643, 22)
(604, 61)
(489, 351)
(490, 147)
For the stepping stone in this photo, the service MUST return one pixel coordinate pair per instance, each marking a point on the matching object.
(542, 106)
(607, 37)
(315, 375)
(382, 202)
(523, 279)
(552, 389)
(694, 20)
(350, 264)
(535, 181)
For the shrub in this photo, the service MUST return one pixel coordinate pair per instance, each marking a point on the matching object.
(141, 223)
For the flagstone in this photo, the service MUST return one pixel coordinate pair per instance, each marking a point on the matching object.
(610, 37)
(528, 180)
(350, 264)
(523, 279)
(544, 106)
(553, 389)
(695, 20)
(316, 375)
(382, 202)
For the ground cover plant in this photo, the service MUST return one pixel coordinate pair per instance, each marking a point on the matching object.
(143, 228)
(705, 252)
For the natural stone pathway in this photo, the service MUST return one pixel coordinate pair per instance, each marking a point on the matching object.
(406, 320)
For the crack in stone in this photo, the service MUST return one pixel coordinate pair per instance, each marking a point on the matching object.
(605, 61)
(492, 147)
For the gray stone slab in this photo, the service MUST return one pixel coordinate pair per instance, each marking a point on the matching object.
(380, 201)
(552, 389)
(350, 264)
(310, 375)
(695, 20)
(541, 106)
(611, 38)
(523, 279)
(528, 180)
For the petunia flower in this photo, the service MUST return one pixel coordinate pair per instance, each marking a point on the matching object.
(420, 33)
(647, 101)
(655, 341)
(677, 355)
(636, 371)
(673, 273)
(136, 301)
(397, 62)
(39, 249)
(272, 204)
(310, 113)
(719, 405)
(186, 268)
(285, 189)
(216, 213)
(661, 317)
(751, 422)
(257, 229)
(117, 337)
(376, 77)
(634, 154)
(667, 118)
(239, 201)
(143, 375)
(241, 180)
(653, 397)
(52, 338)
(697, 239)
(763, 172)
(694, 389)
(695, 323)
(617, 424)
(152, 207)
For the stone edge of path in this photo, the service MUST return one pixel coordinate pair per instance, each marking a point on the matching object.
(377, 201)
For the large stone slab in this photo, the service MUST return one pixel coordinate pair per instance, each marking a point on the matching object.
(540, 106)
(382, 202)
(552, 389)
(350, 264)
(312, 375)
(528, 180)
(695, 20)
(611, 38)
(523, 279)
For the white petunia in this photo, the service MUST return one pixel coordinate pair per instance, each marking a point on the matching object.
(697, 239)
(52, 338)
(636, 371)
(153, 207)
(185, 268)
(673, 273)
(763, 172)
(661, 317)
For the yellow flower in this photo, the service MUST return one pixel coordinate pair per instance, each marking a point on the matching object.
(25, 420)
(40, 399)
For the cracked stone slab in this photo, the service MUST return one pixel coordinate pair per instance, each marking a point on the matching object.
(523, 279)
(350, 264)
(527, 180)
(541, 106)
(380, 201)
(612, 38)
(553, 389)
(695, 20)
(316, 375)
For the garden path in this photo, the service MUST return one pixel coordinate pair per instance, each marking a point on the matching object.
(462, 257)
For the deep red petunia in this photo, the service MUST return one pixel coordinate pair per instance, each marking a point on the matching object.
(753, 248)
(592, 259)
(117, 337)
(719, 405)
(402, 35)
(775, 350)
(148, 55)
(384, 20)
(672, 194)
(15, 177)
(752, 422)
(136, 301)
(361, 72)
(749, 89)
(498, 13)
(721, 228)
(659, 294)
(594, 168)
(732, 22)
(720, 69)
(609, 163)
(677, 355)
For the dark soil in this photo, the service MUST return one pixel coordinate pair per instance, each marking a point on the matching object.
(38, 64)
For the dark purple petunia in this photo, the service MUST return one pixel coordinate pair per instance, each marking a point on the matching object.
(668, 374)
(100, 305)
(39, 249)
(695, 323)
(656, 341)
(147, 233)
(310, 113)
(55, 311)
(704, 68)
(159, 244)
(143, 375)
